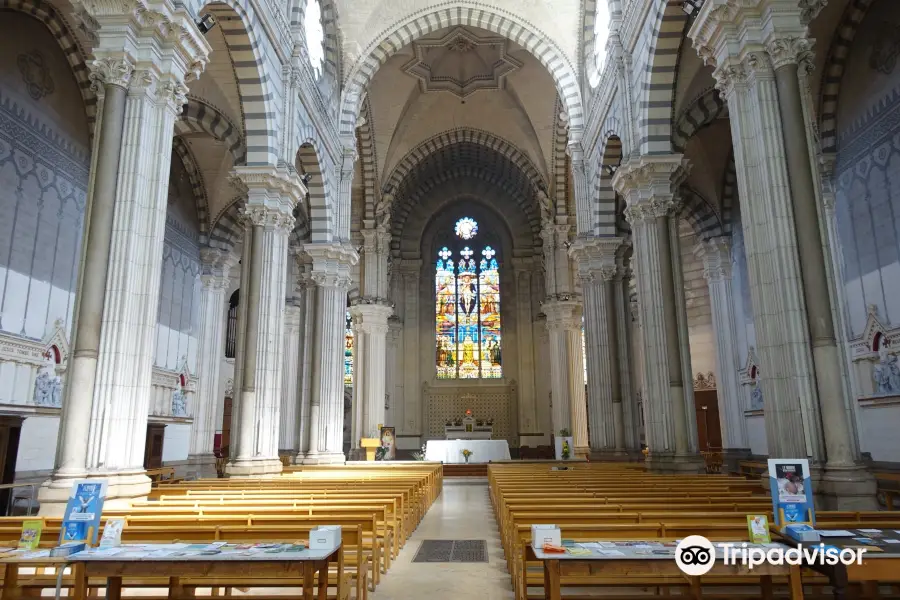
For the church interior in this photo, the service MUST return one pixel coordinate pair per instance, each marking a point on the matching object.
(442, 274)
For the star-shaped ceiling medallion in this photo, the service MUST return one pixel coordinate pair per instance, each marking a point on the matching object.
(461, 62)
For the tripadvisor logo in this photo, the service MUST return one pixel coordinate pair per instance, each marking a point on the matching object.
(695, 555)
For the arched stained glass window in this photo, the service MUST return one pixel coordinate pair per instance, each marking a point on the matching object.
(467, 310)
(348, 352)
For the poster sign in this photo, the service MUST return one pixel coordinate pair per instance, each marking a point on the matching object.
(389, 443)
(82, 516)
(792, 499)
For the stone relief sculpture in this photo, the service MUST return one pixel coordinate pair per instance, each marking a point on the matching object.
(383, 212)
(48, 389)
(179, 404)
(756, 396)
(886, 373)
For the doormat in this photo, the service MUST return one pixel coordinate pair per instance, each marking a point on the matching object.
(452, 551)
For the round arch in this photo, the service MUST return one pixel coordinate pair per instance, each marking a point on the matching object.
(459, 13)
(200, 116)
(248, 52)
(318, 208)
(705, 109)
(195, 177)
(700, 215)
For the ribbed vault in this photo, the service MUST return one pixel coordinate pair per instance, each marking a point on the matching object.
(472, 169)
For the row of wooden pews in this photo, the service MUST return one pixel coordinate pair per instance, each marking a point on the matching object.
(621, 501)
(377, 506)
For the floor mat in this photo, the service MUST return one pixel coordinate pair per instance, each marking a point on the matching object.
(452, 551)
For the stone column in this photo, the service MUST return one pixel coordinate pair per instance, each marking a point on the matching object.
(370, 367)
(630, 417)
(528, 416)
(330, 273)
(716, 257)
(305, 295)
(648, 183)
(143, 67)
(272, 194)
(757, 51)
(291, 384)
(213, 315)
(597, 270)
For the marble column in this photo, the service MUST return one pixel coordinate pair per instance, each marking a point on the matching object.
(716, 257)
(272, 194)
(290, 390)
(757, 52)
(331, 263)
(148, 65)
(630, 415)
(597, 270)
(305, 296)
(216, 265)
(648, 184)
(370, 367)
(528, 415)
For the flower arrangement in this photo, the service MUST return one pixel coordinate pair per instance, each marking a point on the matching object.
(467, 453)
(564, 433)
(419, 454)
(381, 452)
(566, 451)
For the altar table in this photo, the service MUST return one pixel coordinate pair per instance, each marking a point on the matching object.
(450, 451)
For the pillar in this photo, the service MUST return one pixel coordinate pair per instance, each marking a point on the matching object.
(330, 272)
(305, 297)
(529, 430)
(142, 69)
(716, 257)
(648, 184)
(597, 270)
(272, 194)
(291, 384)
(758, 51)
(216, 265)
(626, 363)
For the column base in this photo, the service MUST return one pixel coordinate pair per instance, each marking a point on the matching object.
(202, 465)
(324, 458)
(253, 468)
(607, 455)
(583, 452)
(847, 488)
(672, 463)
(123, 488)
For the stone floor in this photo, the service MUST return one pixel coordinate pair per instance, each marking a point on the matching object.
(463, 512)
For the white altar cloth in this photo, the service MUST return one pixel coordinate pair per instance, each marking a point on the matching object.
(450, 451)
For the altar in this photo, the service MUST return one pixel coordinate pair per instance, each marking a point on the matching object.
(450, 451)
(469, 428)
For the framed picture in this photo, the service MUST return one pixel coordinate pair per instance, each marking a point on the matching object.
(389, 441)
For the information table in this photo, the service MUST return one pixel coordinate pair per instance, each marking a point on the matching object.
(231, 563)
(450, 451)
(618, 560)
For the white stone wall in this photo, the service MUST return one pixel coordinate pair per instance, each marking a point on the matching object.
(696, 297)
(37, 444)
(176, 442)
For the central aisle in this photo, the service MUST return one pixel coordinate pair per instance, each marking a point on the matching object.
(463, 512)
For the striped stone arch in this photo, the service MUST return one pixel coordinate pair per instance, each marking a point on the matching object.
(729, 193)
(199, 116)
(700, 215)
(428, 20)
(228, 230)
(660, 73)
(604, 213)
(195, 177)
(68, 43)
(368, 160)
(318, 199)
(463, 135)
(484, 173)
(247, 50)
(834, 70)
(560, 164)
(705, 109)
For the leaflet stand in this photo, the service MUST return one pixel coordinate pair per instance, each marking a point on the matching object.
(81, 521)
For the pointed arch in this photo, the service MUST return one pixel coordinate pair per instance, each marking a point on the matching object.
(428, 20)
(660, 72)
(195, 177)
(200, 116)
(249, 53)
(68, 43)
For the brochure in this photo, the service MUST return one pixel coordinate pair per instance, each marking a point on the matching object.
(792, 499)
(758, 525)
(31, 534)
(112, 533)
(82, 516)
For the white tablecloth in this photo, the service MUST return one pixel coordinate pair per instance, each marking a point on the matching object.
(450, 451)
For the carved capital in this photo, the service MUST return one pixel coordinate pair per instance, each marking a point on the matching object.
(111, 71)
(174, 94)
(269, 217)
(716, 257)
(791, 50)
(728, 77)
(216, 263)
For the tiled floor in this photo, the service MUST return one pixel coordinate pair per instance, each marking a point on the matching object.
(462, 512)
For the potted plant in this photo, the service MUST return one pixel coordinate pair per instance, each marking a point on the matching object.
(466, 454)
(419, 454)
(565, 444)
(371, 444)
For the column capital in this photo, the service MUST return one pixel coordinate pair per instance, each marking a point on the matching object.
(649, 184)
(278, 187)
(215, 266)
(562, 314)
(158, 35)
(716, 257)
(331, 263)
(371, 317)
(596, 258)
(788, 50)
(111, 70)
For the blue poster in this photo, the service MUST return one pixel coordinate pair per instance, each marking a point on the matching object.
(83, 511)
(792, 496)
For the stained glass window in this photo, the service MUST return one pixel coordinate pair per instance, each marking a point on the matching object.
(467, 314)
(466, 228)
(348, 352)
